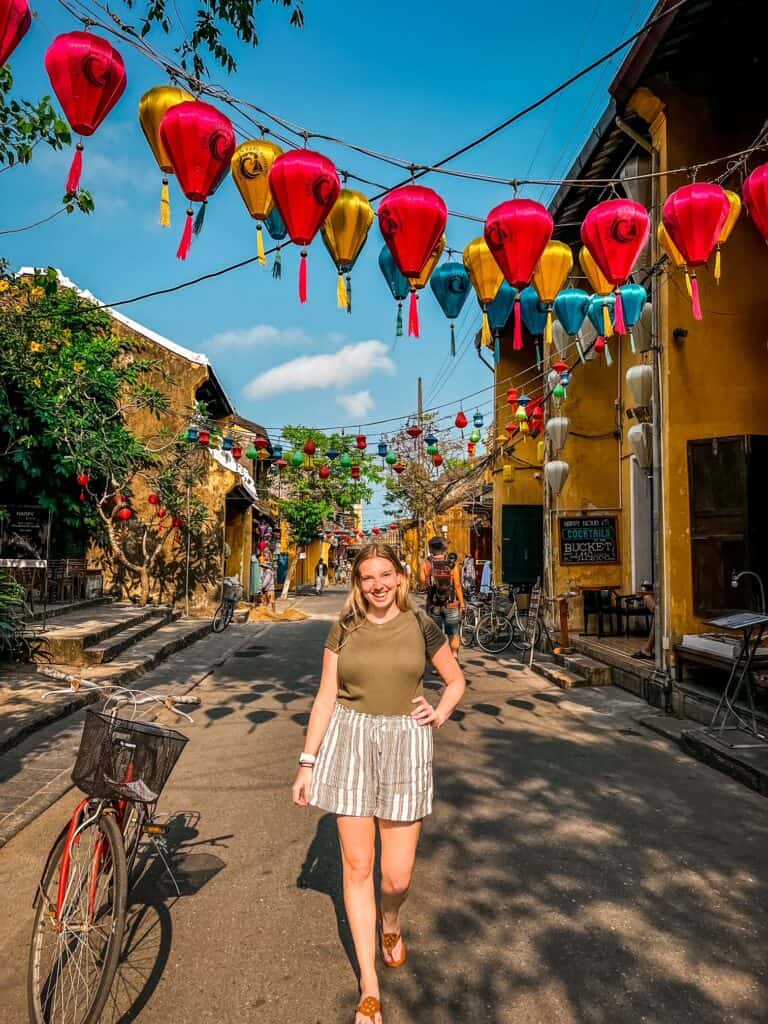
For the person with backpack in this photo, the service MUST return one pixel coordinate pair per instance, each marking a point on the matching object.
(367, 755)
(441, 579)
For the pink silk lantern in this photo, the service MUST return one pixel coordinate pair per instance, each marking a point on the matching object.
(615, 232)
(15, 19)
(305, 185)
(412, 221)
(88, 77)
(200, 141)
(694, 216)
(755, 192)
(517, 233)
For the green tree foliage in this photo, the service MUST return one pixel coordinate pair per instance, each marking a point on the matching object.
(305, 518)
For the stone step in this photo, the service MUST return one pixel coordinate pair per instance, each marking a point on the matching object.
(558, 675)
(55, 611)
(596, 673)
(145, 654)
(65, 641)
(107, 650)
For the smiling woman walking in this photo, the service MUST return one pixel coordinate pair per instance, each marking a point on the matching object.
(368, 751)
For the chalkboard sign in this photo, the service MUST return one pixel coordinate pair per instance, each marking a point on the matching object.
(24, 535)
(588, 540)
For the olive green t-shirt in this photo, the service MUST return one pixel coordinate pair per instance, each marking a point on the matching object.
(381, 667)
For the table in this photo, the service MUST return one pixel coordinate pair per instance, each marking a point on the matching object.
(626, 611)
(752, 626)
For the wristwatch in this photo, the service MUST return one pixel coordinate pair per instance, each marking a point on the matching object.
(307, 760)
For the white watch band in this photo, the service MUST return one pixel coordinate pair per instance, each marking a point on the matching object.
(307, 760)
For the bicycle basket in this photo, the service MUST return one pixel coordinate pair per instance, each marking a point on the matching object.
(118, 758)
(232, 588)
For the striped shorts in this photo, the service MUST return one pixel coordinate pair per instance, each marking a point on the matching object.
(374, 766)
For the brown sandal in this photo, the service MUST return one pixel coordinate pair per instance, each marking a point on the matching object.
(388, 941)
(369, 1007)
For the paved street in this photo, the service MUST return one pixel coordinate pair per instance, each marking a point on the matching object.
(577, 869)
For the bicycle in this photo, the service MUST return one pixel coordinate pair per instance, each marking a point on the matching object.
(122, 766)
(473, 609)
(232, 594)
(497, 630)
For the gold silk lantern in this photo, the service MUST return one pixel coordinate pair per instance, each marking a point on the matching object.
(673, 253)
(153, 107)
(251, 163)
(550, 275)
(486, 277)
(344, 234)
(599, 284)
(730, 222)
(419, 282)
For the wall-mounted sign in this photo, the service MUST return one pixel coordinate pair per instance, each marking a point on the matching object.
(24, 535)
(588, 540)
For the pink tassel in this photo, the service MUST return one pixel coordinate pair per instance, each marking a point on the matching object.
(413, 315)
(75, 171)
(303, 276)
(600, 345)
(696, 299)
(517, 344)
(619, 323)
(186, 239)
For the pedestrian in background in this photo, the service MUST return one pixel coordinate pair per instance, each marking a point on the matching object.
(321, 576)
(268, 586)
(368, 751)
(440, 578)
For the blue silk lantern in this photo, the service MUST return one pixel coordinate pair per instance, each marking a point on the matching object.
(277, 451)
(535, 315)
(450, 284)
(397, 283)
(571, 307)
(499, 311)
(277, 231)
(430, 439)
(477, 419)
(227, 444)
(331, 454)
(600, 313)
(383, 449)
(633, 299)
(192, 433)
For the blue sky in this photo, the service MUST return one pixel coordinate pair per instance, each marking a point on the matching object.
(414, 80)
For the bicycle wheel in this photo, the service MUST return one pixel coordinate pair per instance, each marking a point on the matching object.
(521, 639)
(220, 620)
(229, 613)
(72, 962)
(467, 631)
(494, 633)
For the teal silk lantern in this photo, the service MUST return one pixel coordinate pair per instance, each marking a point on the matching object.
(397, 283)
(570, 306)
(600, 313)
(277, 231)
(346, 460)
(499, 311)
(450, 284)
(535, 314)
(633, 299)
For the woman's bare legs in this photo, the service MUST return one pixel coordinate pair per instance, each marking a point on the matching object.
(358, 849)
(399, 840)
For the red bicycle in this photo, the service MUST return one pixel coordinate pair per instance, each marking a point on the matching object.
(122, 766)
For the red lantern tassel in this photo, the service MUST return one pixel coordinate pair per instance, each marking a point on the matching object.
(186, 239)
(696, 298)
(517, 344)
(413, 315)
(619, 323)
(303, 276)
(75, 171)
(599, 345)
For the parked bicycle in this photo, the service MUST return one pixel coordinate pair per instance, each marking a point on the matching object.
(495, 630)
(80, 905)
(232, 594)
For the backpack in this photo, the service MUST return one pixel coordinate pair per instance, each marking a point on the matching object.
(441, 589)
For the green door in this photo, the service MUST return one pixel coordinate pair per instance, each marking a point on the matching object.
(522, 544)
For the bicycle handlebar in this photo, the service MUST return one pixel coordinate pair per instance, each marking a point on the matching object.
(119, 696)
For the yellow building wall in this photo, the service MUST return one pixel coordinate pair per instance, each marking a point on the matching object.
(459, 537)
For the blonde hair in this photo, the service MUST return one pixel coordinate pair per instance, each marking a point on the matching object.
(356, 606)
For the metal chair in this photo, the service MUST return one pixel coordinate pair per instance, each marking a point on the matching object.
(600, 604)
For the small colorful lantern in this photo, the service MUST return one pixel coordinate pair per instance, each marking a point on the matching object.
(252, 452)
(397, 284)
(598, 282)
(599, 314)
(361, 442)
(499, 312)
(200, 141)
(324, 472)
(549, 277)
(192, 433)
(433, 449)
(304, 185)
(474, 436)
(204, 437)
(15, 19)
(83, 479)
(437, 460)
(477, 419)
(237, 452)
(88, 76)
(153, 106)
(297, 459)
(487, 279)
(281, 465)
(309, 447)
(227, 444)
(471, 445)
(344, 234)
(570, 308)
(517, 233)
(615, 232)
(393, 526)
(355, 472)
(414, 430)
(124, 513)
(332, 454)
(512, 396)
(383, 449)
(694, 216)
(250, 165)
(391, 458)
(450, 285)
(430, 439)
(633, 300)
(399, 468)
(153, 499)
(375, 531)
(417, 283)
(461, 420)
(277, 450)
(755, 192)
(277, 231)
(345, 460)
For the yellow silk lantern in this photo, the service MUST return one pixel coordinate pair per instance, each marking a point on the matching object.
(673, 252)
(421, 281)
(730, 221)
(555, 265)
(251, 164)
(344, 234)
(507, 473)
(153, 107)
(486, 277)
(599, 284)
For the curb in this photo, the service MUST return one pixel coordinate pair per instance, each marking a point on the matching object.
(39, 802)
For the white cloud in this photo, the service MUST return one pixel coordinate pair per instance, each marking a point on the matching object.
(259, 334)
(335, 369)
(358, 404)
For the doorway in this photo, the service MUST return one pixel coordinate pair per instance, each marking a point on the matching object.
(641, 511)
(522, 544)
